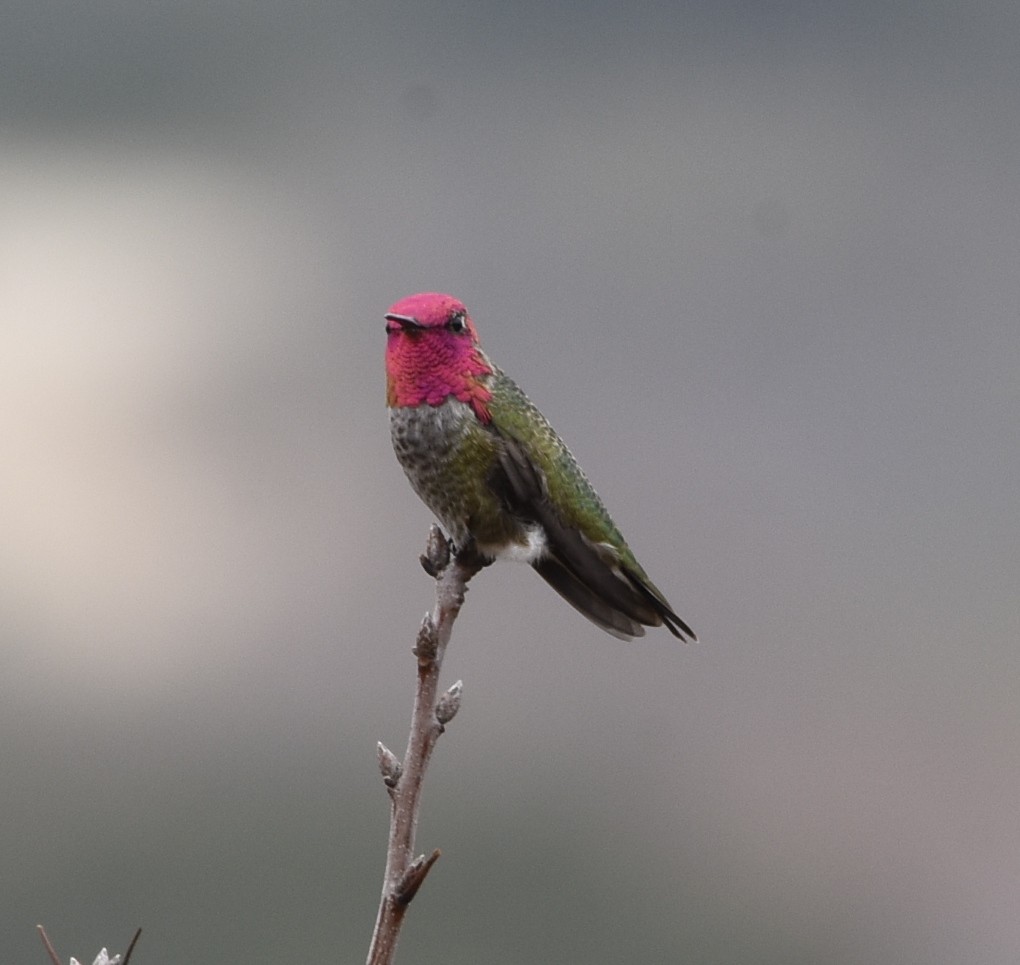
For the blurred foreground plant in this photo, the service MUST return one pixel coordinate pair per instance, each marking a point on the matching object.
(103, 958)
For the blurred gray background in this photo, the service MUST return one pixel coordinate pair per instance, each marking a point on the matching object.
(758, 263)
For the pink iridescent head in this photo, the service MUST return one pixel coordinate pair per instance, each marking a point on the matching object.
(432, 353)
(430, 310)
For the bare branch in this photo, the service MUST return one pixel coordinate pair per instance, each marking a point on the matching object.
(404, 876)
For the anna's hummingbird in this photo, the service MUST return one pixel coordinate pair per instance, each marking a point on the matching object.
(489, 465)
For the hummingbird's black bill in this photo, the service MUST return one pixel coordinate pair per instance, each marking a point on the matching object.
(407, 323)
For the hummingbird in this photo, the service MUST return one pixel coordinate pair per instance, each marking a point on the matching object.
(492, 469)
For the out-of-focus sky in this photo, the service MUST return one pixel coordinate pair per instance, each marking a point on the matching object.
(758, 263)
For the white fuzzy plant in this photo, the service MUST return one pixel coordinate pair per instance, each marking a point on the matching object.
(103, 958)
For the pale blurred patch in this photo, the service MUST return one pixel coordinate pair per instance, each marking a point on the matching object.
(132, 291)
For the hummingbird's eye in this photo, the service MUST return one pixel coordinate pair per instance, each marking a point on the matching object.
(457, 323)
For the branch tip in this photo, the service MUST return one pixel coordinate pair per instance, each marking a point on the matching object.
(436, 557)
(131, 947)
(48, 945)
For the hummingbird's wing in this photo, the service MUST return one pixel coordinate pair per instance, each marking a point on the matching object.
(590, 574)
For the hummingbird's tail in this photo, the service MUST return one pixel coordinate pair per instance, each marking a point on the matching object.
(622, 609)
(586, 601)
(651, 593)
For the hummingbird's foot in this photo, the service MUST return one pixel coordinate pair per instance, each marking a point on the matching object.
(468, 556)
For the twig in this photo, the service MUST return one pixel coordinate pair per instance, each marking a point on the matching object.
(48, 945)
(131, 947)
(432, 711)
